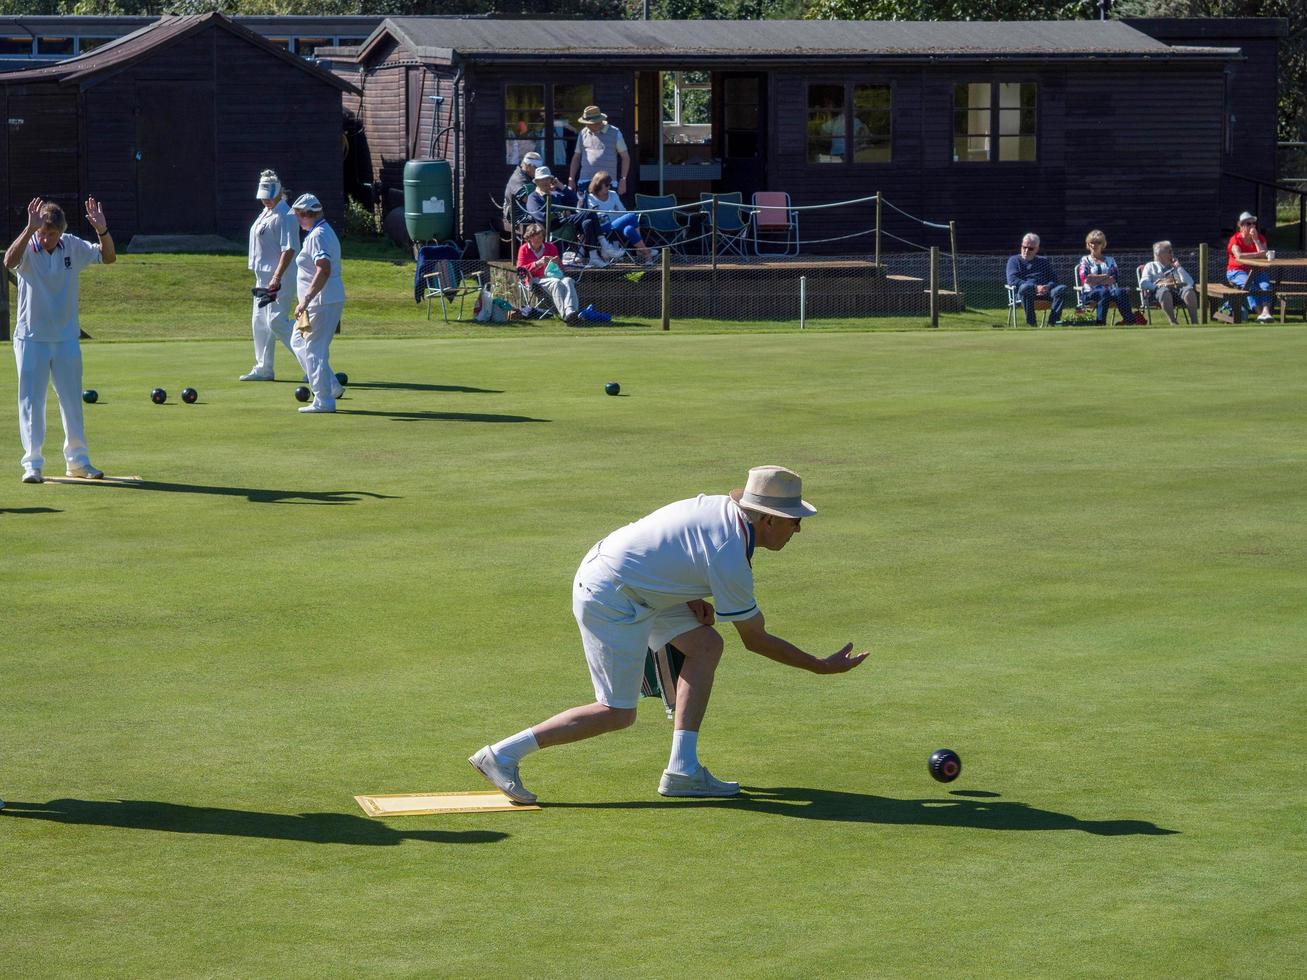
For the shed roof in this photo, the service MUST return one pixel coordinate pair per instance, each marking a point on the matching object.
(635, 40)
(141, 43)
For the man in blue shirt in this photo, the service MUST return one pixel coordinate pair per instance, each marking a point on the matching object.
(1034, 279)
(564, 210)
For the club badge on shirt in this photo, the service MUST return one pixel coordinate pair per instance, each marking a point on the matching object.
(68, 261)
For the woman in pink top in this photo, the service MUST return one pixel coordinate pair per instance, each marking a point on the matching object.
(1247, 243)
(534, 258)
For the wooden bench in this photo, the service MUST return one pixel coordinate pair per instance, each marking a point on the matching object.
(1285, 295)
(1217, 293)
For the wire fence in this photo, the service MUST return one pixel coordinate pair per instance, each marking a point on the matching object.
(743, 288)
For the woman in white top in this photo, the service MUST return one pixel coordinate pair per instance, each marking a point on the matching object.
(321, 300)
(615, 222)
(274, 240)
(1167, 278)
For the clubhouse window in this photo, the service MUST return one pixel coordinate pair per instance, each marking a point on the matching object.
(848, 123)
(995, 121)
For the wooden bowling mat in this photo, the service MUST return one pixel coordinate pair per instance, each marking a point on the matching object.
(105, 479)
(412, 804)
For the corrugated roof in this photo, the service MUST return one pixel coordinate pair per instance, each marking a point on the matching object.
(784, 39)
(140, 43)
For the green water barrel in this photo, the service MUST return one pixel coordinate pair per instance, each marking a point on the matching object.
(429, 200)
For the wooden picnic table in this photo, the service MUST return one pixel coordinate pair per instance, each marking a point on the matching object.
(1297, 289)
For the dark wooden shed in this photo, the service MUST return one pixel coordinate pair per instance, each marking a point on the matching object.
(169, 127)
(1056, 127)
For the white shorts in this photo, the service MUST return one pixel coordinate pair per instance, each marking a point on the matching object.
(617, 631)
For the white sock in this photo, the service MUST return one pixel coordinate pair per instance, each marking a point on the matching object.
(685, 753)
(513, 749)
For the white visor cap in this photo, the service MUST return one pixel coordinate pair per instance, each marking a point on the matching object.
(269, 186)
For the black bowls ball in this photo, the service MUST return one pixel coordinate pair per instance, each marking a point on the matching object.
(90, 396)
(302, 394)
(190, 396)
(158, 396)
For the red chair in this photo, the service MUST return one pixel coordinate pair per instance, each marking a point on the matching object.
(775, 222)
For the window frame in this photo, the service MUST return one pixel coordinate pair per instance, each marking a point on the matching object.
(850, 140)
(995, 133)
(547, 150)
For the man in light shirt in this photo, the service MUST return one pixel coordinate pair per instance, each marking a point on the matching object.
(645, 586)
(274, 240)
(47, 348)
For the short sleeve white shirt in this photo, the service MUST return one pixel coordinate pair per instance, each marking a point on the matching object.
(48, 287)
(687, 550)
(320, 243)
(613, 205)
(274, 231)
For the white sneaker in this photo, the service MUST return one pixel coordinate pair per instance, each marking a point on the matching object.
(653, 257)
(702, 783)
(316, 409)
(610, 251)
(32, 475)
(255, 376)
(597, 261)
(87, 472)
(338, 391)
(503, 778)
(1264, 318)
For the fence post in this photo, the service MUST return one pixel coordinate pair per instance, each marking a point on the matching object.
(667, 289)
(803, 302)
(877, 263)
(934, 285)
(953, 251)
(1302, 221)
(549, 222)
(1202, 282)
(714, 234)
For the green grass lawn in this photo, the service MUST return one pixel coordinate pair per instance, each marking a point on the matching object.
(1076, 557)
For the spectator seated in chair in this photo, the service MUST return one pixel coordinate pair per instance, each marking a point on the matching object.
(1167, 280)
(1032, 278)
(616, 224)
(1097, 272)
(567, 212)
(1248, 243)
(523, 176)
(534, 259)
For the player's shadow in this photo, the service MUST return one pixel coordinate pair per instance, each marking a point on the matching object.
(440, 416)
(418, 386)
(981, 813)
(176, 818)
(255, 495)
(30, 510)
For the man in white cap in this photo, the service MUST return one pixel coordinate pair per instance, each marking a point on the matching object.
(599, 146)
(523, 176)
(46, 331)
(644, 586)
(321, 302)
(274, 240)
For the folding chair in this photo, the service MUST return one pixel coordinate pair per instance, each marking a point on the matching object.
(1148, 300)
(667, 227)
(773, 216)
(1082, 298)
(438, 275)
(733, 222)
(1014, 306)
(530, 299)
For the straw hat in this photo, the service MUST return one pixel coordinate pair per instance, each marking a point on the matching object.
(774, 490)
(592, 114)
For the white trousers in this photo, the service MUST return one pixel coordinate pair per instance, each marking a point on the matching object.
(269, 325)
(40, 362)
(312, 351)
(563, 294)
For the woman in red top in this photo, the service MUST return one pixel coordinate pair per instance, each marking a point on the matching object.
(1246, 243)
(533, 259)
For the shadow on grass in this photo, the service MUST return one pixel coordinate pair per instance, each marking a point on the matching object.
(252, 494)
(822, 804)
(175, 818)
(418, 386)
(439, 416)
(30, 510)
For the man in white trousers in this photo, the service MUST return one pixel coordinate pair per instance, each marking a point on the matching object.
(644, 586)
(48, 263)
(321, 300)
(274, 240)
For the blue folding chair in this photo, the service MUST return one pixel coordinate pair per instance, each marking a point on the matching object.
(733, 221)
(667, 228)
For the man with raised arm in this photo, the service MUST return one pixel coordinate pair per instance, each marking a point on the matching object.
(46, 346)
(645, 585)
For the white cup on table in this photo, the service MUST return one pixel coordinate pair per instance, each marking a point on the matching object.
(1270, 254)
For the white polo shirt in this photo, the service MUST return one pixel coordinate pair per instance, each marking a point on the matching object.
(274, 231)
(320, 243)
(687, 550)
(47, 289)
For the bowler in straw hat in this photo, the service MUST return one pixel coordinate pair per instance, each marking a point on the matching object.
(600, 146)
(647, 585)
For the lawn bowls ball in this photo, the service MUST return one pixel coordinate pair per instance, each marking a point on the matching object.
(158, 396)
(302, 394)
(945, 765)
(613, 388)
(342, 378)
(190, 396)
(90, 396)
